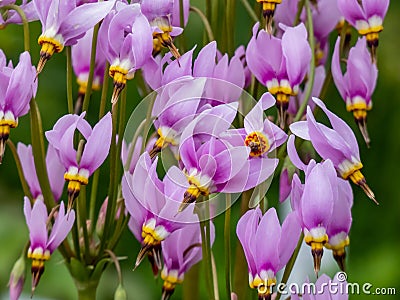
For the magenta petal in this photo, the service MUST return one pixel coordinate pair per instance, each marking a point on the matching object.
(337, 71)
(98, 145)
(318, 196)
(42, 7)
(267, 235)
(28, 167)
(55, 171)
(37, 223)
(285, 185)
(293, 155)
(351, 10)
(297, 53)
(82, 18)
(62, 226)
(205, 62)
(375, 8)
(230, 162)
(291, 230)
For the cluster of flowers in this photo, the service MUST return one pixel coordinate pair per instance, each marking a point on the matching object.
(197, 102)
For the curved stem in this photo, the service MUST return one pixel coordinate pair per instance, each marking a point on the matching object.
(25, 24)
(69, 81)
(250, 10)
(21, 176)
(88, 92)
(227, 238)
(116, 264)
(147, 122)
(290, 264)
(300, 6)
(205, 21)
(311, 78)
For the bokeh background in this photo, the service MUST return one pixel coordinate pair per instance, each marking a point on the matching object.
(375, 242)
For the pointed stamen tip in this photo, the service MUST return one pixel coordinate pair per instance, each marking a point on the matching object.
(367, 190)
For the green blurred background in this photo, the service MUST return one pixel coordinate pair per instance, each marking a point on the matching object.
(375, 242)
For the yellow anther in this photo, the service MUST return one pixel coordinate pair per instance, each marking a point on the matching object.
(316, 243)
(257, 142)
(49, 46)
(118, 74)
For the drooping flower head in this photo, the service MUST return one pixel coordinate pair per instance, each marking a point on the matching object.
(181, 250)
(96, 148)
(337, 144)
(55, 171)
(175, 107)
(267, 246)
(268, 8)
(125, 37)
(285, 66)
(12, 17)
(17, 87)
(357, 85)
(81, 63)
(159, 15)
(153, 204)
(367, 17)
(64, 23)
(210, 164)
(42, 245)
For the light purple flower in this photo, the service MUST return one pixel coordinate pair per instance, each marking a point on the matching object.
(17, 87)
(367, 17)
(267, 246)
(181, 250)
(81, 63)
(357, 85)
(285, 66)
(98, 141)
(126, 39)
(64, 23)
(12, 17)
(159, 15)
(174, 108)
(340, 223)
(153, 204)
(176, 13)
(132, 152)
(337, 144)
(240, 52)
(43, 245)
(55, 171)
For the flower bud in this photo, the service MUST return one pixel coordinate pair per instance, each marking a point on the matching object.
(120, 293)
(17, 278)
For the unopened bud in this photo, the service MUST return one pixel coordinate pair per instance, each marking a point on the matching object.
(17, 278)
(120, 293)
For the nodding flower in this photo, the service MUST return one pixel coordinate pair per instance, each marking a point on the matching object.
(357, 85)
(286, 65)
(338, 144)
(159, 15)
(181, 250)
(125, 38)
(152, 205)
(93, 150)
(42, 245)
(64, 23)
(367, 17)
(268, 8)
(17, 87)
(12, 17)
(267, 246)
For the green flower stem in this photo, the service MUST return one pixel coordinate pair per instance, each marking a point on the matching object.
(104, 91)
(240, 276)
(70, 101)
(227, 238)
(205, 21)
(25, 24)
(88, 92)
(116, 264)
(230, 25)
(300, 7)
(93, 196)
(39, 154)
(290, 264)
(215, 15)
(138, 131)
(87, 289)
(147, 123)
(24, 184)
(82, 213)
(191, 285)
(311, 78)
(250, 10)
(204, 216)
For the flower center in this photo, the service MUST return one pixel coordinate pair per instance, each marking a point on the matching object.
(258, 143)
(119, 76)
(153, 235)
(171, 279)
(264, 286)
